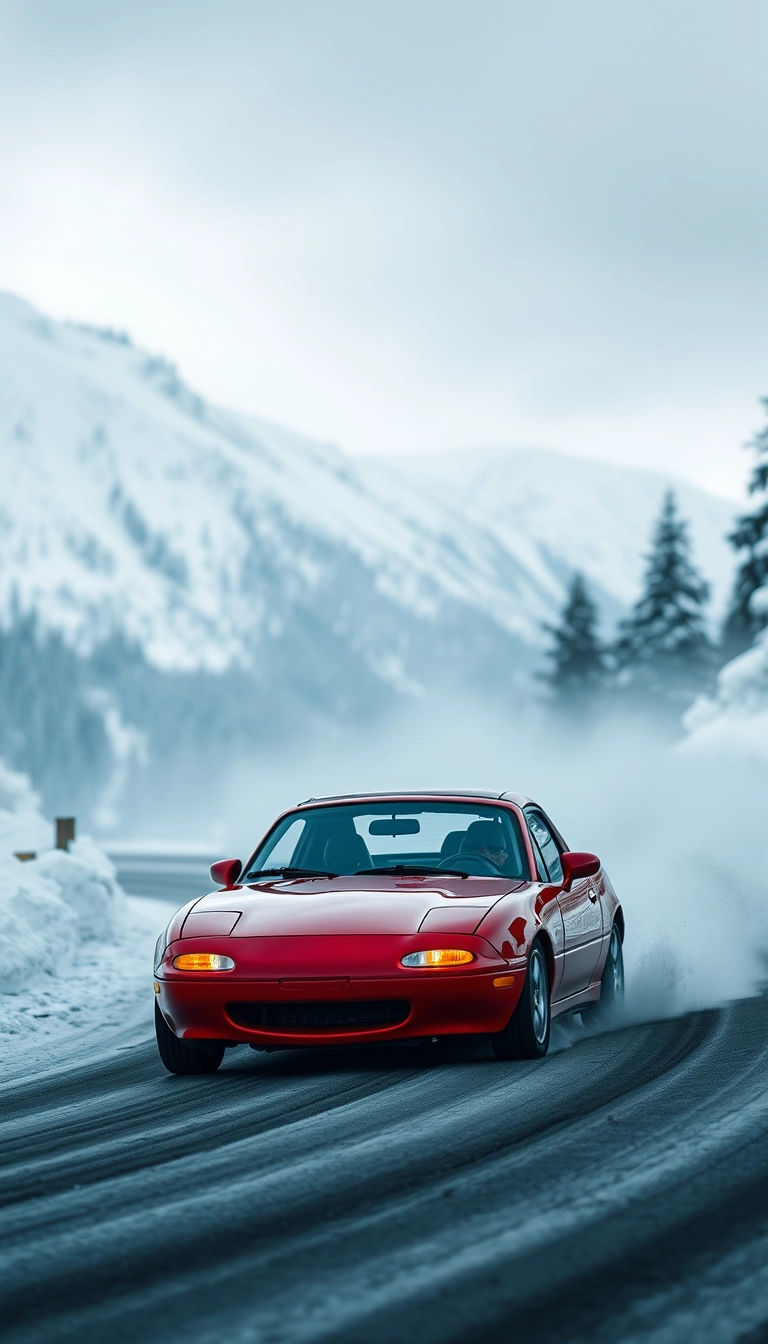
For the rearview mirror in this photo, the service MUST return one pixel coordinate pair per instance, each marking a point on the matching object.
(578, 863)
(395, 826)
(226, 872)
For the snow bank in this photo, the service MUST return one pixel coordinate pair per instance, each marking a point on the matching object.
(75, 952)
(87, 885)
(53, 904)
(38, 927)
(22, 827)
(734, 722)
(104, 999)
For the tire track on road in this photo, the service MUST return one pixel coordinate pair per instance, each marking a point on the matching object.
(281, 1203)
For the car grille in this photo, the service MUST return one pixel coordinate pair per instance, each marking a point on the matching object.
(346, 1016)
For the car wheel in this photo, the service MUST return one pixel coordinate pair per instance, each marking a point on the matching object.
(178, 1057)
(526, 1035)
(611, 986)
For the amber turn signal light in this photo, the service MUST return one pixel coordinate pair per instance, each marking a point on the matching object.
(436, 957)
(203, 961)
(503, 981)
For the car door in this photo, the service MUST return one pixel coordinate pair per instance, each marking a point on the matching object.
(581, 909)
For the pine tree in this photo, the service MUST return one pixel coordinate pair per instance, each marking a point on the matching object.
(578, 663)
(751, 536)
(663, 651)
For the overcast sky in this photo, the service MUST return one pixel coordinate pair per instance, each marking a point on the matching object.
(410, 226)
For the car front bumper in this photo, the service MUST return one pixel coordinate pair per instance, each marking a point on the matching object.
(278, 994)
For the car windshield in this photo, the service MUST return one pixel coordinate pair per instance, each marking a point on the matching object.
(350, 838)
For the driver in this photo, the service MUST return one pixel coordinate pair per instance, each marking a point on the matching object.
(485, 840)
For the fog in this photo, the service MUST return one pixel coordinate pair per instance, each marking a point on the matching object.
(405, 226)
(675, 829)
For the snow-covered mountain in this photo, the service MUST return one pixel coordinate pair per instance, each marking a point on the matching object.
(128, 503)
(573, 512)
(217, 576)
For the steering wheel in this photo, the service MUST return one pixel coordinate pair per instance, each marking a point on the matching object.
(472, 864)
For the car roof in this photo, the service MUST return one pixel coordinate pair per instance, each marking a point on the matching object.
(423, 795)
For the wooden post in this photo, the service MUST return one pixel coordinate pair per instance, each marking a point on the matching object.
(65, 831)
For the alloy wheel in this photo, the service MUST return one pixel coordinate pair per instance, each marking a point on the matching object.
(617, 965)
(539, 996)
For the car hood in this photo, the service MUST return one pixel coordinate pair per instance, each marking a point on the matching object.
(355, 905)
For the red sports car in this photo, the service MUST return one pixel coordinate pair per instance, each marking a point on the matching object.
(391, 917)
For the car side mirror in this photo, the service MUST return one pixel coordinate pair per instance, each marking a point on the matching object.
(226, 872)
(578, 863)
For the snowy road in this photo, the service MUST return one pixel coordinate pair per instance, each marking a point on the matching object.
(615, 1191)
(618, 1190)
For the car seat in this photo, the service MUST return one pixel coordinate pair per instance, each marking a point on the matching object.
(346, 854)
(483, 835)
(451, 844)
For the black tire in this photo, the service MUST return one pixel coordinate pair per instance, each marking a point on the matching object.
(526, 1035)
(178, 1057)
(611, 999)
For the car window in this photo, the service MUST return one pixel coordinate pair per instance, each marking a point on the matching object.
(351, 838)
(405, 836)
(544, 839)
(280, 849)
(541, 867)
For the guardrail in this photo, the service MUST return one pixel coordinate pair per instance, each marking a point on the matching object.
(163, 875)
(144, 869)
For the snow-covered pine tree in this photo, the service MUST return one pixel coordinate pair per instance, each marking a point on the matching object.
(663, 652)
(578, 663)
(750, 536)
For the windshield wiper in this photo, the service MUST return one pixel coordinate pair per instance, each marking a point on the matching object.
(410, 868)
(287, 872)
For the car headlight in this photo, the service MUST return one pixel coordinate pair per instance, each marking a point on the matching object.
(203, 961)
(437, 957)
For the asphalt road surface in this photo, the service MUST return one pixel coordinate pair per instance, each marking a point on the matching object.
(615, 1191)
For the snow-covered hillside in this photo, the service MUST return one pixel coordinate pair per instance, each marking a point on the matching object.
(582, 514)
(227, 585)
(734, 721)
(128, 504)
